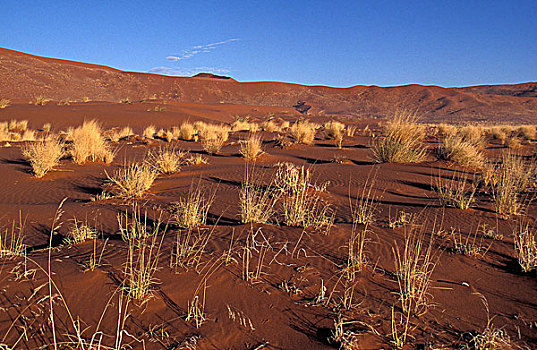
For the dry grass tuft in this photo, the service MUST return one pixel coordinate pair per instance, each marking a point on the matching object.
(472, 134)
(192, 210)
(166, 160)
(251, 147)
(41, 100)
(196, 159)
(131, 181)
(458, 151)
(528, 132)
(335, 131)
(28, 135)
(149, 132)
(46, 127)
(257, 202)
(403, 141)
(214, 137)
(43, 156)
(187, 131)
(525, 240)
(455, 192)
(80, 232)
(89, 143)
(301, 201)
(4, 103)
(270, 126)
(448, 130)
(303, 132)
(12, 240)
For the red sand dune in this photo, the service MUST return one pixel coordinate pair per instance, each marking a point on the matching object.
(24, 76)
(282, 309)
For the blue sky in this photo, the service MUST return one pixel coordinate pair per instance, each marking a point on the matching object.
(336, 43)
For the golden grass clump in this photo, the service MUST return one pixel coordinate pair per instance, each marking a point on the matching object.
(240, 124)
(18, 125)
(301, 202)
(80, 232)
(191, 211)
(525, 241)
(472, 134)
(458, 151)
(270, 126)
(498, 133)
(12, 240)
(90, 144)
(187, 131)
(41, 100)
(215, 131)
(125, 132)
(257, 202)
(403, 140)
(513, 141)
(166, 160)
(351, 130)
(143, 256)
(196, 159)
(28, 135)
(43, 156)
(251, 147)
(512, 177)
(335, 131)
(149, 132)
(529, 132)
(46, 127)
(131, 181)
(4, 103)
(5, 135)
(447, 129)
(303, 132)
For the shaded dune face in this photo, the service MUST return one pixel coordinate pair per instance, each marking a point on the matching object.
(25, 77)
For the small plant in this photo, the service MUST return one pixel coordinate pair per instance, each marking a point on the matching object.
(472, 245)
(303, 132)
(142, 263)
(196, 159)
(526, 131)
(4, 103)
(46, 127)
(251, 148)
(149, 132)
(166, 160)
(187, 132)
(257, 202)
(43, 156)
(472, 134)
(335, 131)
(28, 135)
(192, 210)
(270, 126)
(135, 226)
(401, 219)
(458, 151)
(41, 101)
(212, 146)
(402, 142)
(301, 202)
(351, 130)
(366, 204)
(454, 192)
(90, 144)
(525, 240)
(12, 240)
(131, 181)
(80, 232)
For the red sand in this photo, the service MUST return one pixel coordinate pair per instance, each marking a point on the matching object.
(277, 311)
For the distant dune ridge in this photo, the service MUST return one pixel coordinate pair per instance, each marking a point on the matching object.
(24, 76)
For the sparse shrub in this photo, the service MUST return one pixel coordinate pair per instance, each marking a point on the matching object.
(43, 156)
(448, 130)
(131, 181)
(142, 259)
(166, 160)
(41, 101)
(28, 135)
(455, 192)
(196, 159)
(527, 131)
(460, 152)
(168, 135)
(335, 131)
(4, 103)
(257, 202)
(301, 202)
(18, 125)
(215, 132)
(303, 132)
(149, 132)
(192, 210)
(513, 141)
(402, 142)
(269, 126)
(125, 132)
(12, 240)
(498, 133)
(187, 131)
(472, 134)
(212, 146)
(240, 124)
(525, 240)
(80, 232)
(89, 143)
(251, 148)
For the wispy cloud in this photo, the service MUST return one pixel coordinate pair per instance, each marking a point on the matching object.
(198, 49)
(188, 71)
